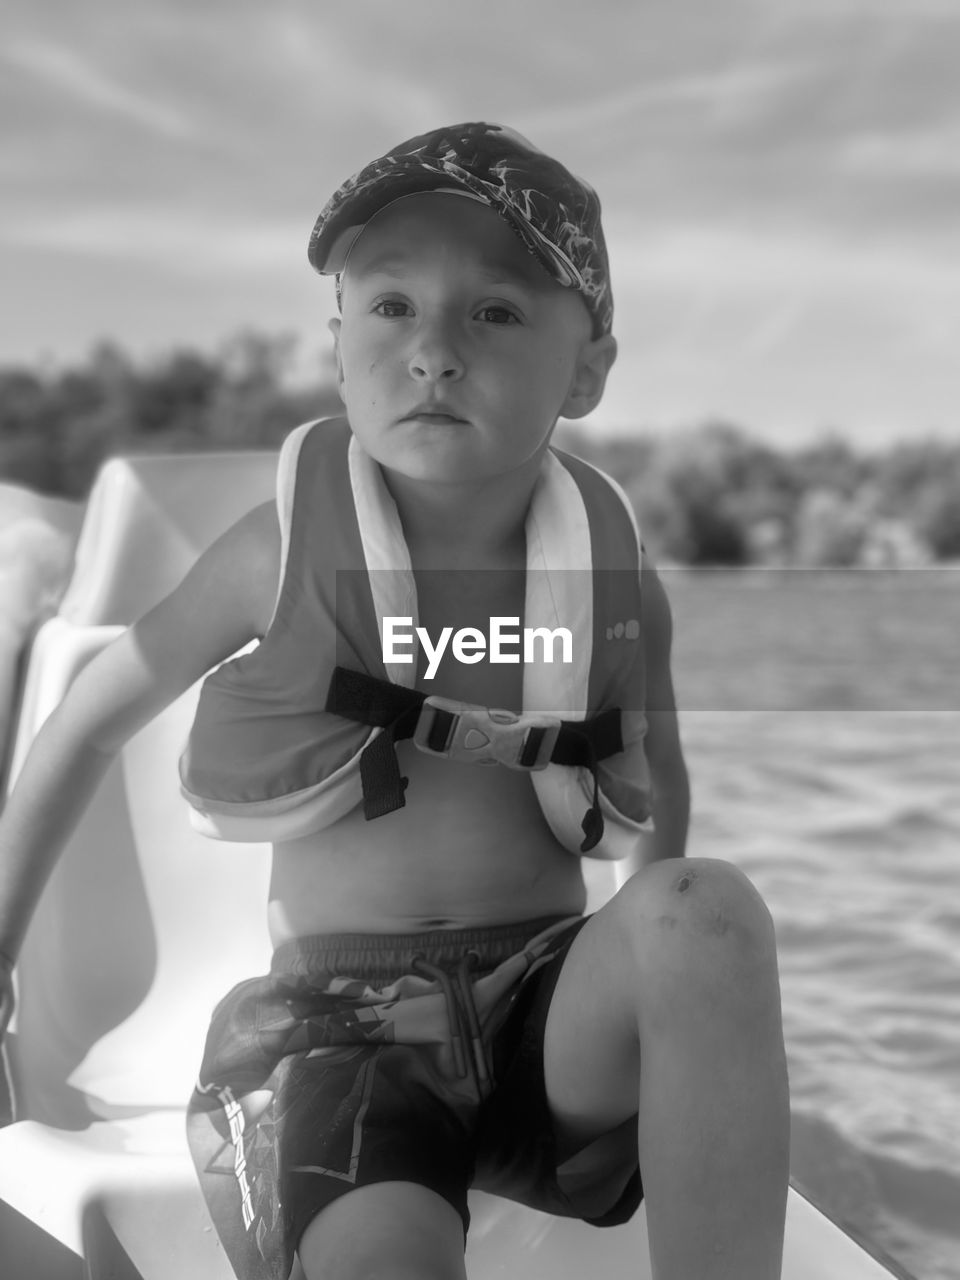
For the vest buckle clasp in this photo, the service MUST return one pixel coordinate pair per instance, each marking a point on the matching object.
(473, 734)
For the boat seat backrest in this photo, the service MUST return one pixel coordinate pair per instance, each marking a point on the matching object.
(144, 923)
(149, 518)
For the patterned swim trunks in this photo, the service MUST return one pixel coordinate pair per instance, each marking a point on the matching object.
(364, 1058)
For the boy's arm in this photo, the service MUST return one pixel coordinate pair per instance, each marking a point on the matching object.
(224, 601)
(668, 770)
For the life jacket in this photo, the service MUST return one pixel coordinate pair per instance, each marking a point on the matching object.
(267, 758)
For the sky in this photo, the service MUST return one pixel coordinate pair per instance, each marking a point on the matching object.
(780, 182)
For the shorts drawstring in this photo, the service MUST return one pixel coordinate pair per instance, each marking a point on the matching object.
(460, 1011)
(469, 1007)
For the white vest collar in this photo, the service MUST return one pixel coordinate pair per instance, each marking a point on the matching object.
(559, 585)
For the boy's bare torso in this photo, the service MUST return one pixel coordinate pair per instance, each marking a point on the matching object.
(471, 846)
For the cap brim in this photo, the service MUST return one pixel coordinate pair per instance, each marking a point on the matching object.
(339, 247)
(334, 233)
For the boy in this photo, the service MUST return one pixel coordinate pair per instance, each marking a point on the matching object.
(438, 1009)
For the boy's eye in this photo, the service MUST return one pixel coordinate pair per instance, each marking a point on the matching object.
(495, 314)
(392, 308)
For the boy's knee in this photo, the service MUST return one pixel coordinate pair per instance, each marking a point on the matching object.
(380, 1268)
(394, 1260)
(384, 1231)
(702, 911)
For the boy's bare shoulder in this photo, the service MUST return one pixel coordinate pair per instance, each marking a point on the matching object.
(246, 560)
(232, 586)
(227, 596)
(225, 601)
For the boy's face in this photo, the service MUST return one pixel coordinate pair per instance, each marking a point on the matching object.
(456, 352)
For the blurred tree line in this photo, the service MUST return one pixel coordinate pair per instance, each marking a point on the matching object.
(707, 495)
(57, 427)
(712, 495)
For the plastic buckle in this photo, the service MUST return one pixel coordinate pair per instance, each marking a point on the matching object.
(486, 735)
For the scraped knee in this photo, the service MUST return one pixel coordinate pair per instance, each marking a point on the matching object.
(702, 944)
(700, 899)
(685, 881)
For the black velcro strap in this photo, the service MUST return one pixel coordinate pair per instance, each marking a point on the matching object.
(531, 748)
(395, 709)
(441, 726)
(381, 781)
(357, 696)
(582, 741)
(586, 743)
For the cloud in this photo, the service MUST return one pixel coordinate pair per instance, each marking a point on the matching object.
(891, 11)
(727, 93)
(741, 262)
(165, 238)
(916, 153)
(78, 79)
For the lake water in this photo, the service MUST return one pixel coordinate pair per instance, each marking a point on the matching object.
(821, 721)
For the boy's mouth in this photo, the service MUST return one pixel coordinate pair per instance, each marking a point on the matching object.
(433, 413)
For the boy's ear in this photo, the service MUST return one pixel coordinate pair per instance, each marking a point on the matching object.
(595, 362)
(334, 327)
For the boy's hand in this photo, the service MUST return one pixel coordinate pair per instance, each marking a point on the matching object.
(6, 992)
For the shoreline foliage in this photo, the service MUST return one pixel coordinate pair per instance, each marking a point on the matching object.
(710, 494)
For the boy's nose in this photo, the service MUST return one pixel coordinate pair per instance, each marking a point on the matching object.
(434, 358)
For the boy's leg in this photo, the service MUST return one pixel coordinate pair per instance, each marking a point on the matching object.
(669, 1002)
(388, 1230)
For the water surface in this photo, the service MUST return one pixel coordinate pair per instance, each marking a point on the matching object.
(821, 721)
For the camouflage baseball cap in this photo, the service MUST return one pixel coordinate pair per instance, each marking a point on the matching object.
(556, 215)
